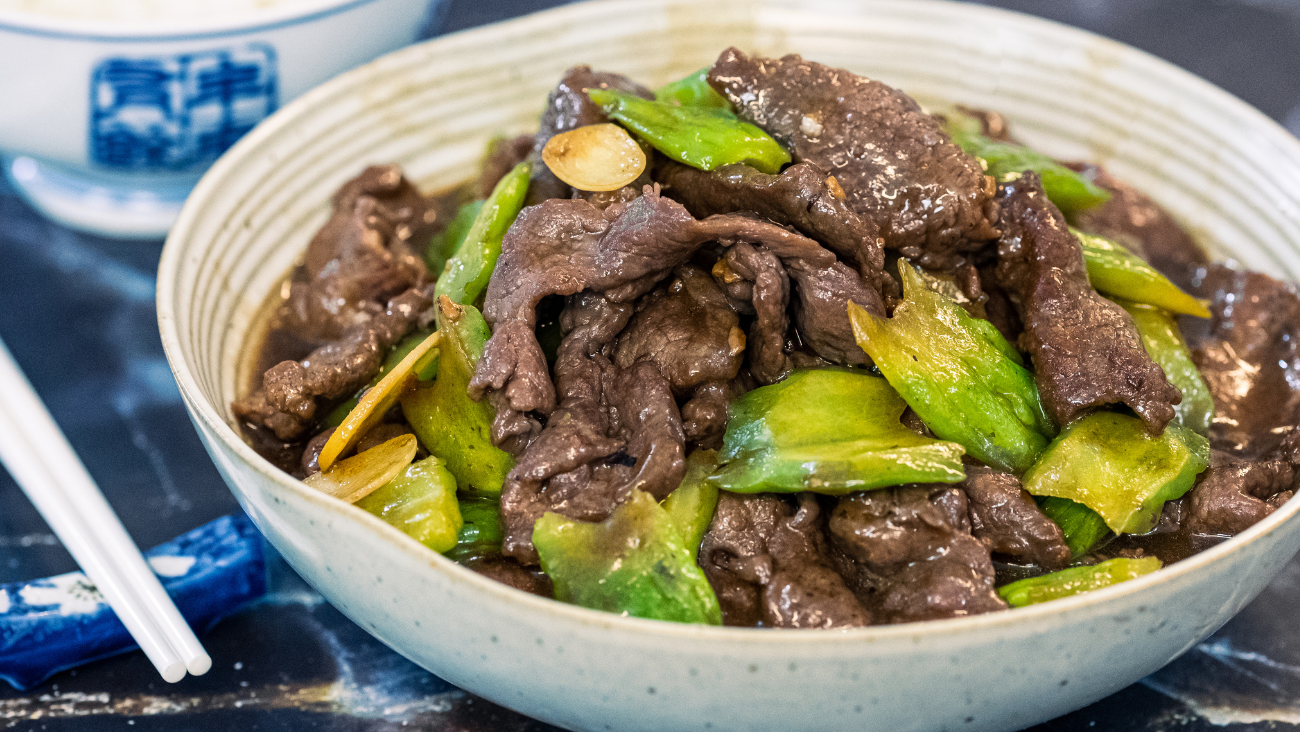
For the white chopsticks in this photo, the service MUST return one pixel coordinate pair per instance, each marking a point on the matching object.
(45, 466)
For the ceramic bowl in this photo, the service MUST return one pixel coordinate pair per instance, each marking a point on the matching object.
(105, 126)
(1223, 168)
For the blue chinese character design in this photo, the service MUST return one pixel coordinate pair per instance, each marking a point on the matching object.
(178, 112)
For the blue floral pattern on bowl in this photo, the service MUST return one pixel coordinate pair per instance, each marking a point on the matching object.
(173, 113)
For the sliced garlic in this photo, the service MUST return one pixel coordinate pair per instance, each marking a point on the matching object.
(600, 157)
(360, 475)
(371, 409)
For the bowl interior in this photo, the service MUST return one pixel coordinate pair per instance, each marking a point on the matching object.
(1224, 170)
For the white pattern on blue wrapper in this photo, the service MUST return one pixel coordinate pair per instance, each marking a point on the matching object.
(51, 624)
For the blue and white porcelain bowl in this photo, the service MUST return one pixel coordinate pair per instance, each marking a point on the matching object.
(106, 124)
(1225, 170)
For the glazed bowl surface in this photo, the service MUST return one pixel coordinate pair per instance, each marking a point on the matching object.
(1226, 171)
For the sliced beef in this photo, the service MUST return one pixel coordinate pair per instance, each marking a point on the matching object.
(734, 556)
(916, 542)
(290, 391)
(642, 400)
(1232, 498)
(767, 561)
(503, 156)
(756, 279)
(821, 309)
(998, 308)
(687, 329)
(509, 572)
(1131, 218)
(578, 430)
(803, 196)
(615, 430)
(754, 275)
(287, 455)
(604, 199)
(1247, 353)
(368, 252)
(516, 365)
(900, 172)
(568, 107)
(1085, 348)
(704, 415)
(992, 124)
(1004, 517)
(310, 462)
(564, 246)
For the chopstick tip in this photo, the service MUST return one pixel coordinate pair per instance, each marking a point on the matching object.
(199, 665)
(172, 672)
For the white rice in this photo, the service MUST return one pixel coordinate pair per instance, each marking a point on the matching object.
(143, 11)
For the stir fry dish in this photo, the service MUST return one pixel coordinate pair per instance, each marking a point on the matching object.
(774, 346)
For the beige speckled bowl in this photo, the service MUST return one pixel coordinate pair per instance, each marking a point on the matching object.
(1223, 168)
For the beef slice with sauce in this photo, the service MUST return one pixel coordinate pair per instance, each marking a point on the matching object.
(568, 107)
(690, 332)
(1231, 498)
(503, 155)
(1085, 348)
(687, 329)
(1247, 353)
(562, 247)
(803, 196)
(1004, 517)
(898, 169)
(914, 542)
(369, 251)
(291, 391)
(766, 558)
(614, 431)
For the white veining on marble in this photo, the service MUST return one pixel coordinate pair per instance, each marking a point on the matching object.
(1218, 703)
(24, 541)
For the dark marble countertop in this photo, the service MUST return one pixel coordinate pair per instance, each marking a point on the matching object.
(77, 312)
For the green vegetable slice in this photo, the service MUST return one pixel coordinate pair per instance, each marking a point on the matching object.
(958, 374)
(634, 563)
(1164, 343)
(481, 532)
(426, 371)
(704, 138)
(449, 424)
(421, 501)
(828, 431)
(1067, 189)
(692, 91)
(445, 243)
(1075, 580)
(1116, 271)
(1109, 463)
(469, 269)
(693, 503)
(1082, 527)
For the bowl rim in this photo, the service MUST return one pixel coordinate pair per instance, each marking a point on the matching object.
(172, 257)
(176, 29)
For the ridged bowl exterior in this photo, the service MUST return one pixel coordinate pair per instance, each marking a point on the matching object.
(1223, 168)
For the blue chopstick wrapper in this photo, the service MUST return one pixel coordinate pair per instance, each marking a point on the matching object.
(52, 624)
